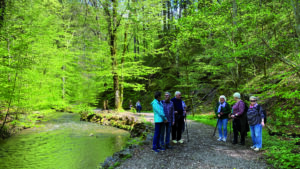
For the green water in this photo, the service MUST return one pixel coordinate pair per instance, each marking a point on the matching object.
(63, 143)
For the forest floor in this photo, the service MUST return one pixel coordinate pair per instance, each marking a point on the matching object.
(202, 151)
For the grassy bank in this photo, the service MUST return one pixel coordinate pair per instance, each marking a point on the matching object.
(281, 152)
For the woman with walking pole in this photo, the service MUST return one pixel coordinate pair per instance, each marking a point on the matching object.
(179, 118)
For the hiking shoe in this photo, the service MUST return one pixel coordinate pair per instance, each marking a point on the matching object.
(220, 139)
(156, 150)
(224, 139)
(169, 147)
(256, 149)
(174, 141)
(161, 149)
(180, 141)
(252, 147)
(234, 142)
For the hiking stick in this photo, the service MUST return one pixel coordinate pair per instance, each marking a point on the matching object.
(230, 129)
(187, 130)
(216, 128)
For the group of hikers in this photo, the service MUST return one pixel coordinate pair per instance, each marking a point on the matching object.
(244, 117)
(169, 115)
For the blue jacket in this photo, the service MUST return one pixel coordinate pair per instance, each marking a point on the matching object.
(159, 115)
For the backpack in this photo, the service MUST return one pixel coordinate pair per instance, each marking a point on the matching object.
(264, 112)
(246, 109)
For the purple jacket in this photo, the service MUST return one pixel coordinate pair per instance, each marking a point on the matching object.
(238, 108)
(169, 110)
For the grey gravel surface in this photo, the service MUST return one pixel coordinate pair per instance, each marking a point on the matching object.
(202, 151)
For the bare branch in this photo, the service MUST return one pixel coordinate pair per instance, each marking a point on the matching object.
(280, 56)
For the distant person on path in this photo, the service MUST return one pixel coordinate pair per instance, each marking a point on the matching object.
(105, 105)
(239, 115)
(179, 118)
(159, 119)
(168, 107)
(255, 117)
(130, 104)
(138, 106)
(222, 110)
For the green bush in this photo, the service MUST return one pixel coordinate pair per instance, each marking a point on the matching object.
(133, 110)
(282, 152)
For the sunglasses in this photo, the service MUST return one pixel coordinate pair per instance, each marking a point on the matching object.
(252, 100)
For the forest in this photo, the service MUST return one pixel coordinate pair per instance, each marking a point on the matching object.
(79, 55)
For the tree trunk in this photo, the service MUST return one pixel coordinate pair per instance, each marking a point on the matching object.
(138, 45)
(180, 8)
(164, 16)
(2, 11)
(63, 82)
(112, 30)
(296, 6)
(122, 62)
(297, 17)
(234, 11)
(169, 15)
(234, 15)
(10, 101)
(134, 45)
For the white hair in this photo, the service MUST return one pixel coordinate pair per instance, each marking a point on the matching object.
(177, 93)
(237, 95)
(253, 98)
(168, 93)
(222, 96)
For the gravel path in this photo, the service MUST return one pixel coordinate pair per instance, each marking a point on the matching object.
(202, 151)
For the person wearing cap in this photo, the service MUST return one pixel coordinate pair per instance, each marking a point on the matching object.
(222, 110)
(240, 123)
(255, 117)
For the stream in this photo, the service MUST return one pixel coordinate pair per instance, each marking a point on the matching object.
(64, 142)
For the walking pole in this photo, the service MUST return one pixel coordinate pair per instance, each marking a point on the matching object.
(230, 129)
(216, 128)
(187, 130)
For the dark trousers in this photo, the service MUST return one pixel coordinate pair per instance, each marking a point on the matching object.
(177, 128)
(236, 125)
(156, 136)
(165, 128)
(138, 108)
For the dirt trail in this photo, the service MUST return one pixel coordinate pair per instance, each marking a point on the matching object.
(202, 151)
